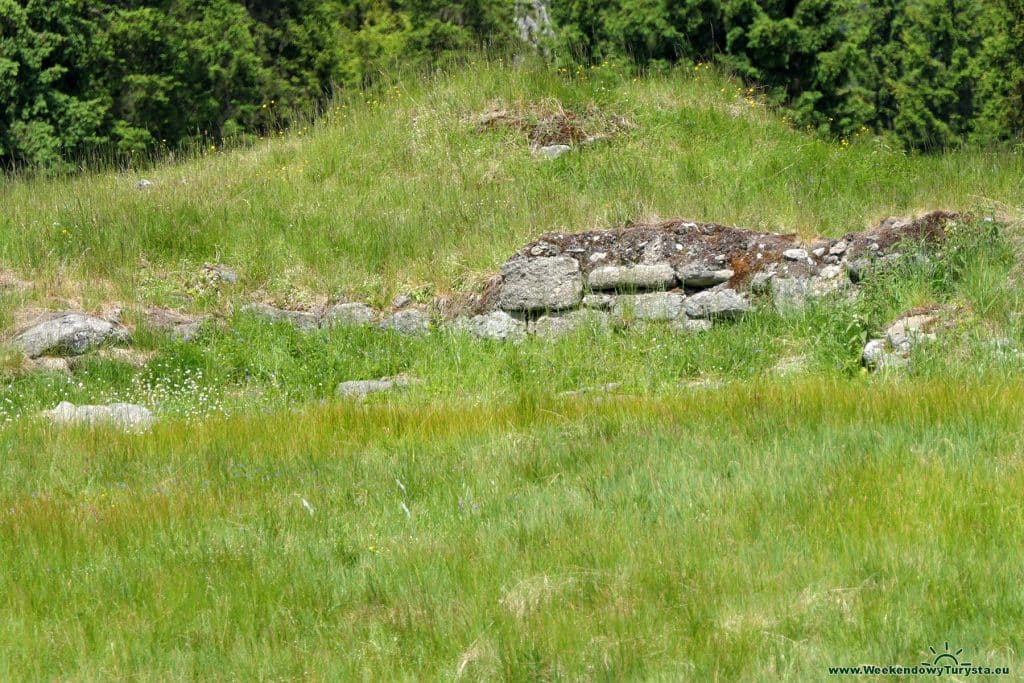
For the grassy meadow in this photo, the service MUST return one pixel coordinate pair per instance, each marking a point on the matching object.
(618, 504)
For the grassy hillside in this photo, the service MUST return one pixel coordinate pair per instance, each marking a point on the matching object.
(399, 190)
(743, 504)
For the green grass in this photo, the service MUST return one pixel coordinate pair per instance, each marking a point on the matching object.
(746, 504)
(762, 532)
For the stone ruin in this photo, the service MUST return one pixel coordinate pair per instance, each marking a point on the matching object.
(690, 275)
(686, 274)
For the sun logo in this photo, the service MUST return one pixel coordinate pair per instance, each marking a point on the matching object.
(945, 658)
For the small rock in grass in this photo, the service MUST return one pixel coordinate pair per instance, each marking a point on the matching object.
(51, 364)
(361, 388)
(557, 324)
(878, 356)
(908, 331)
(125, 416)
(218, 273)
(409, 322)
(553, 151)
(496, 325)
(177, 325)
(690, 326)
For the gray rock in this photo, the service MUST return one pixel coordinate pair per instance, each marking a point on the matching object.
(600, 302)
(906, 332)
(552, 325)
(352, 313)
(553, 151)
(68, 334)
(125, 416)
(302, 320)
(651, 306)
(839, 248)
(858, 268)
(51, 364)
(697, 277)
(830, 272)
(143, 184)
(602, 389)
(219, 273)
(361, 388)
(717, 303)
(410, 322)
(761, 282)
(177, 325)
(655, 276)
(793, 293)
(496, 325)
(878, 356)
(538, 284)
(819, 252)
(401, 301)
(688, 326)
(795, 254)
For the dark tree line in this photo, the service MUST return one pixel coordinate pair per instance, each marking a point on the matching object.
(126, 77)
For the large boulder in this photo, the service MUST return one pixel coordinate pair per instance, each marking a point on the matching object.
(546, 283)
(717, 303)
(654, 276)
(68, 334)
(650, 306)
(126, 416)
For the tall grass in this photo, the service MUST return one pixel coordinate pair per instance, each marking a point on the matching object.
(759, 532)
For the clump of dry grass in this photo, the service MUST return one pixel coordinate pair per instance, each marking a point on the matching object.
(549, 122)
